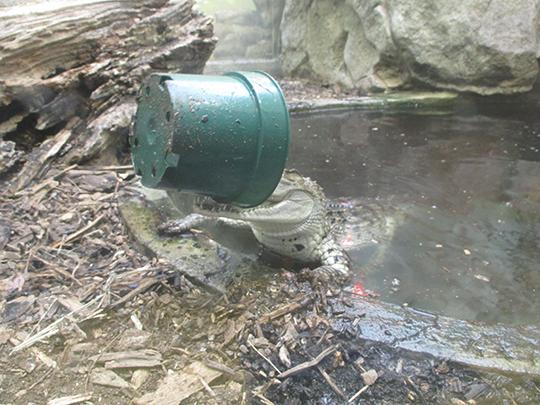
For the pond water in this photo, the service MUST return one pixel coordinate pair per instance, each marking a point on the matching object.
(444, 208)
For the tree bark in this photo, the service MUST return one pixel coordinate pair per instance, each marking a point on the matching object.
(70, 71)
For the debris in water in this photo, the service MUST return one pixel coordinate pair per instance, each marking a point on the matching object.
(481, 277)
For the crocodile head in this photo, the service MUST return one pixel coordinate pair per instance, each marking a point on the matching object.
(291, 182)
(292, 201)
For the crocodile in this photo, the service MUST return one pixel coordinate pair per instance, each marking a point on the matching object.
(297, 221)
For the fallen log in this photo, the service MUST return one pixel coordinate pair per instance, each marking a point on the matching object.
(76, 65)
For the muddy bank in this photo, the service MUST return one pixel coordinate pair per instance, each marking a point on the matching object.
(259, 343)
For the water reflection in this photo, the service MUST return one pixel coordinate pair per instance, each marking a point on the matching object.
(454, 203)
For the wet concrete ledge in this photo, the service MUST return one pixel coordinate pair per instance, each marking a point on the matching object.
(500, 348)
(399, 101)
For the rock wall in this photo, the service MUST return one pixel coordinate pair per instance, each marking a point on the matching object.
(249, 34)
(483, 46)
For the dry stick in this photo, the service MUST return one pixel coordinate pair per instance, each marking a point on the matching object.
(322, 336)
(79, 233)
(141, 288)
(308, 364)
(331, 383)
(58, 270)
(207, 387)
(364, 388)
(51, 329)
(264, 357)
(293, 306)
(93, 364)
(36, 326)
(263, 399)
(41, 379)
(95, 169)
(39, 187)
(223, 368)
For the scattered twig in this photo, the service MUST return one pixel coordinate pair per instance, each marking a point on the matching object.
(41, 186)
(58, 270)
(322, 336)
(41, 379)
(263, 399)
(52, 329)
(143, 286)
(180, 350)
(207, 387)
(308, 364)
(95, 360)
(286, 309)
(264, 357)
(97, 169)
(72, 399)
(331, 383)
(360, 392)
(224, 369)
(79, 233)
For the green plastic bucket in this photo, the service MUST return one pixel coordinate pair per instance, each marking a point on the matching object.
(223, 136)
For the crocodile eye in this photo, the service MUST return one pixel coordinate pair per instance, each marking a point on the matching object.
(299, 247)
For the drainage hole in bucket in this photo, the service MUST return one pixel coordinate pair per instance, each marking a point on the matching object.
(153, 171)
(168, 115)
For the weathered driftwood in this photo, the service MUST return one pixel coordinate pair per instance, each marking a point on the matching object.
(70, 70)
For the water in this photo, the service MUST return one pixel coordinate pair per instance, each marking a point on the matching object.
(447, 205)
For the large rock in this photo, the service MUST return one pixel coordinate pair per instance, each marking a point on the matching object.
(485, 46)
